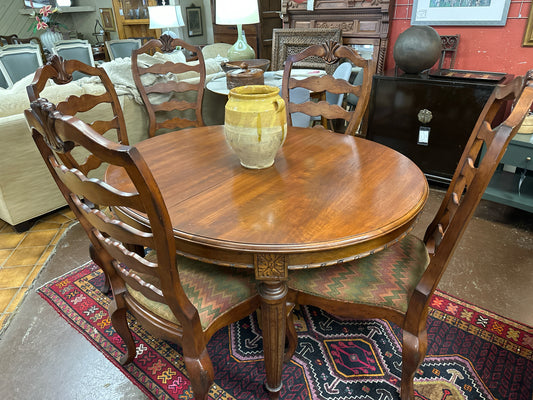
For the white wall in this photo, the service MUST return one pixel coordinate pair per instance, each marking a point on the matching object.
(84, 22)
(207, 37)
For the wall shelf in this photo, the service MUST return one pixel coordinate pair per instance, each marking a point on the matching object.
(28, 11)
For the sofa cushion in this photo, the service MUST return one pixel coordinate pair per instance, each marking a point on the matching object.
(18, 97)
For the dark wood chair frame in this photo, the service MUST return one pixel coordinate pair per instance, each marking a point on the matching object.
(157, 275)
(60, 71)
(166, 44)
(331, 52)
(444, 233)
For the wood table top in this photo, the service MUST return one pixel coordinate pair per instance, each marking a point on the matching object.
(325, 192)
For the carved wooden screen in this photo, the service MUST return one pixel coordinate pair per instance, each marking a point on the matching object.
(364, 24)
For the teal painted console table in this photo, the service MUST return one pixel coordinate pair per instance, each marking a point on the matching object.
(510, 185)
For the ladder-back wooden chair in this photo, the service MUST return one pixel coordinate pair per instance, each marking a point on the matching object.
(396, 284)
(331, 52)
(178, 299)
(60, 72)
(169, 114)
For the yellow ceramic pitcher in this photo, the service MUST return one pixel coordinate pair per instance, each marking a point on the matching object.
(255, 124)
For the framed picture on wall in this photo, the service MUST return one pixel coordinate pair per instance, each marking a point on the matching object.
(465, 12)
(37, 4)
(194, 21)
(108, 22)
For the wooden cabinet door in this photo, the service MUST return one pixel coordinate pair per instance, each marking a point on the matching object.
(131, 17)
(269, 11)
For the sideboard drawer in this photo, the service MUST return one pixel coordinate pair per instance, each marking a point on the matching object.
(518, 156)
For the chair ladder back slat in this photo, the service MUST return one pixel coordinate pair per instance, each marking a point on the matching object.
(75, 104)
(116, 228)
(165, 44)
(172, 105)
(330, 52)
(171, 86)
(94, 190)
(103, 126)
(175, 123)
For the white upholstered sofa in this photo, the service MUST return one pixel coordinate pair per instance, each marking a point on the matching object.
(27, 190)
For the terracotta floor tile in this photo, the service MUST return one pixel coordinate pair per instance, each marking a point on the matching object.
(5, 297)
(25, 256)
(38, 238)
(59, 235)
(16, 301)
(43, 226)
(10, 240)
(5, 227)
(67, 212)
(45, 255)
(33, 274)
(4, 254)
(3, 319)
(14, 277)
(59, 218)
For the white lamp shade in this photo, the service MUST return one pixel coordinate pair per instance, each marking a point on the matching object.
(162, 17)
(235, 12)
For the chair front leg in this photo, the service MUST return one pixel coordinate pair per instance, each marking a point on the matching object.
(413, 353)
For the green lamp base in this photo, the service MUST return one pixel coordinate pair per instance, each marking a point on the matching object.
(240, 50)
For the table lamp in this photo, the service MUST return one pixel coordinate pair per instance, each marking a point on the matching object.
(166, 17)
(238, 12)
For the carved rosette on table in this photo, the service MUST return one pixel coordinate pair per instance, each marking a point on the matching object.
(271, 266)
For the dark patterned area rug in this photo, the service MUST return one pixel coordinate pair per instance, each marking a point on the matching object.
(472, 353)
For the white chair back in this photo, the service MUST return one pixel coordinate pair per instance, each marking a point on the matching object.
(18, 61)
(122, 47)
(75, 49)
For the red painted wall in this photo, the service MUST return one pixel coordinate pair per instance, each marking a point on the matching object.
(481, 48)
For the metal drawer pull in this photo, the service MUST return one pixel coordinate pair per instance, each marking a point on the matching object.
(425, 116)
(523, 174)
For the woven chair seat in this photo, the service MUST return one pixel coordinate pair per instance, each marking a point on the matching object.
(212, 289)
(384, 279)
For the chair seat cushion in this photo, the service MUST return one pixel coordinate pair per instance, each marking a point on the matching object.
(384, 279)
(212, 289)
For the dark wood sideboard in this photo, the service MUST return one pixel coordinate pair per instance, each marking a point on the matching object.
(452, 107)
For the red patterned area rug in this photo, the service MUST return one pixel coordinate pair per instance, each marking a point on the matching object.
(472, 354)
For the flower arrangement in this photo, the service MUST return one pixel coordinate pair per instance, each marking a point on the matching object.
(46, 18)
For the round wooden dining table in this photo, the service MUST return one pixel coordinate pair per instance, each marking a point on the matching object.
(328, 198)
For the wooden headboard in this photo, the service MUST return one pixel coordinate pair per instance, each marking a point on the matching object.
(364, 24)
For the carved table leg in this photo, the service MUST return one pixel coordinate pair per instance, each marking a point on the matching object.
(271, 271)
(273, 315)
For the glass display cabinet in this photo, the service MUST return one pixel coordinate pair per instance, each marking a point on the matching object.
(132, 18)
